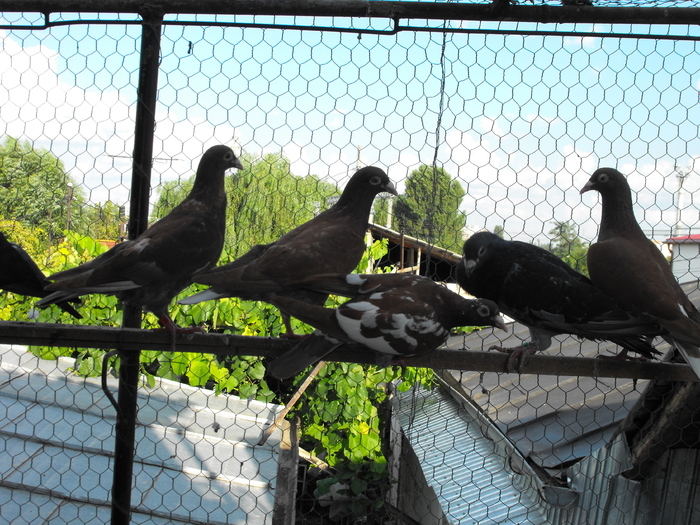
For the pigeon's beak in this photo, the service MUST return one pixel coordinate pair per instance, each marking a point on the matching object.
(500, 323)
(469, 265)
(237, 164)
(390, 188)
(587, 187)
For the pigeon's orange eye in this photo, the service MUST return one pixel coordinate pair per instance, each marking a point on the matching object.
(483, 310)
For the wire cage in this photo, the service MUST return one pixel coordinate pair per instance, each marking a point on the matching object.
(486, 116)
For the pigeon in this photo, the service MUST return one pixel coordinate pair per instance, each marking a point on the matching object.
(20, 274)
(539, 290)
(396, 315)
(331, 242)
(152, 269)
(629, 267)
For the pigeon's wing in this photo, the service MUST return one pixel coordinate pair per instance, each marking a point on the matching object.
(304, 354)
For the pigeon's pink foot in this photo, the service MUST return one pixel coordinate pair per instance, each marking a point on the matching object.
(517, 353)
(622, 356)
(173, 329)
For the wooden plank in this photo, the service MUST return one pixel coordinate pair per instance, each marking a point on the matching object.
(46, 334)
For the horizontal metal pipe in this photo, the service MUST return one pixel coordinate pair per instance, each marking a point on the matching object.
(45, 334)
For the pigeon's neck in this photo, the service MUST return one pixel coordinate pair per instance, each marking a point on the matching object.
(618, 217)
(358, 206)
(207, 191)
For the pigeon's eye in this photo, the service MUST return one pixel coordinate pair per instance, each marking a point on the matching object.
(603, 177)
(374, 181)
(228, 155)
(481, 252)
(483, 310)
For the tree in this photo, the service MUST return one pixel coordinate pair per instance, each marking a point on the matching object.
(566, 244)
(429, 209)
(34, 187)
(105, 220)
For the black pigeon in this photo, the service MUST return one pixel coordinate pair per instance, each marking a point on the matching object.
(539, 290)
(396, 315)
(629, 267)
(20, 274)
(332, 242)
(153, 268)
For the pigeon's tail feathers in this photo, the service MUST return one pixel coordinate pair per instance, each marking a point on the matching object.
(60, 295)
(350, 285)
(304, 354)
(57, 297)
(690, 352)
(205, 295)
(640, 345)
(66, 307)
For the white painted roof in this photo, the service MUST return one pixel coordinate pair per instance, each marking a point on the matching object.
(197, 458)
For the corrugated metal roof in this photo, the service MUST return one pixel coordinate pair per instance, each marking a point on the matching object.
(552, 420)
(196, 455)
(476, 474)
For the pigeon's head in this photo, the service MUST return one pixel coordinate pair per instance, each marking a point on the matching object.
(477, 248)
(486, 313)
(607, 181)
(220, 158)
(369, 179)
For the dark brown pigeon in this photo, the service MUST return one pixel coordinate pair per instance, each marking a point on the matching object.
(629, 267)
(153, 268)
(332, 242)
(539, 290)
(20, 274)
(396, 315)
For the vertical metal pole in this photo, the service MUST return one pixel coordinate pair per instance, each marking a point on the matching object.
(138, 222)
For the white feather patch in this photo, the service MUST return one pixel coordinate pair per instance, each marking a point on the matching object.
(200, 297)
(355, 278)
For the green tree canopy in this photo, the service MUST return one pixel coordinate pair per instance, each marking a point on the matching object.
(34, 187)
(429, 209)
(566, 244)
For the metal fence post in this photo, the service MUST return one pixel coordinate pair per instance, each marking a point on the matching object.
(138, 221)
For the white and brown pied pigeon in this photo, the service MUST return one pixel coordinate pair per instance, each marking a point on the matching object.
(152, 269)
(396, 315)
(331, 242)
(629, 267)
(539, 290)
(21, 275)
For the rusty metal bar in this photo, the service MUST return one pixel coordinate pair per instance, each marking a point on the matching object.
(497, 11)
(129, 369)
(469, 359)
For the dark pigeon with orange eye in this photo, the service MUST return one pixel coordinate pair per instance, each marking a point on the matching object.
(331, 242)
(396, 315)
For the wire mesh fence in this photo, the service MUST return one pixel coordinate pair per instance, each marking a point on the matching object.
(481, 125)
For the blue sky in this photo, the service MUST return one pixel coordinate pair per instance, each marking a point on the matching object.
(526, 119)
